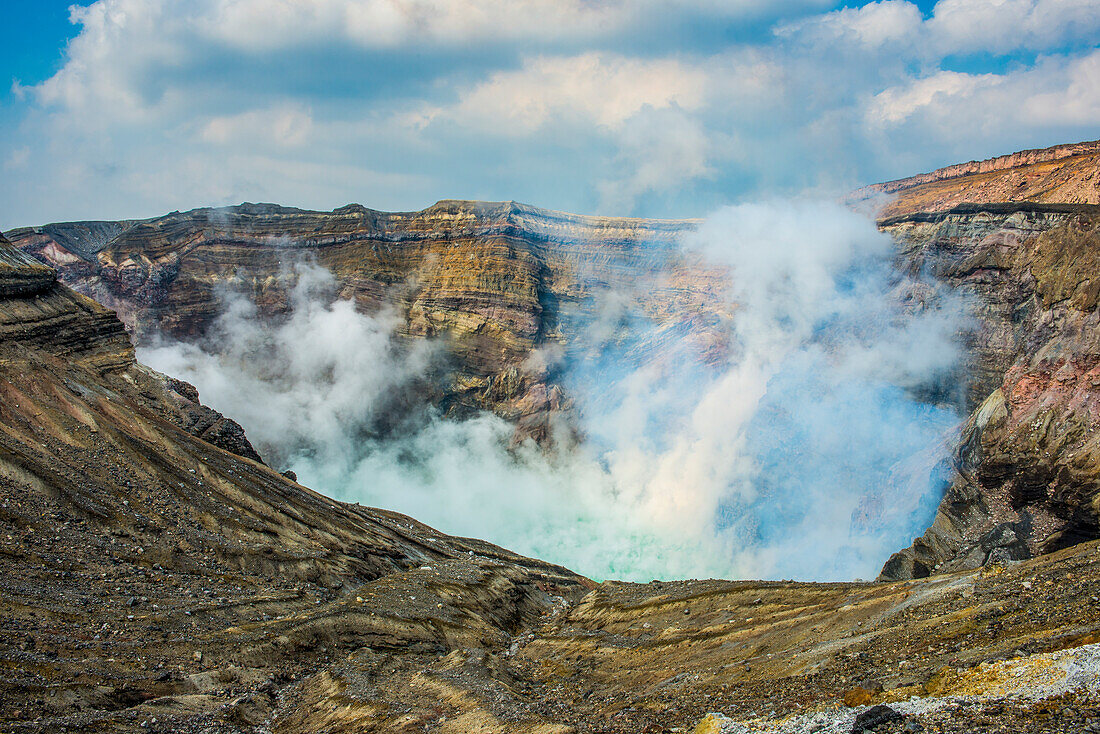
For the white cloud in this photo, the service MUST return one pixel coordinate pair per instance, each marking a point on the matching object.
(628, 106)
(1001, 26)
(878, 24)
(118, 40)
(1056, 92)
(956, 27)
(593, 89)
(659, 151)
(267, 24)
(1072, 96)
(276, 24)
(897, 104)
(285, 126)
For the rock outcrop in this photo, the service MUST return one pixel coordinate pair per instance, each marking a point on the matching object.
(21, 274)
(152, 581)
(40, 313)
(147, 573)
(491, 281)
(1029, 456)
(1068, 174)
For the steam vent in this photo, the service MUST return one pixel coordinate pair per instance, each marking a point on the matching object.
(163, 570)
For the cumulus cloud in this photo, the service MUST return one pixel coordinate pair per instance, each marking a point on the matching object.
(1001, 26)
(955, 27)
(284, 126)
(898, 104)
(873, 26)
(626, 107)
(660, 150)
(390, 23)
(590, 89)
(1065, 95)
(1056, 94)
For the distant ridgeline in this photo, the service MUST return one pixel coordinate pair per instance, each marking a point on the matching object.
(1064, 174)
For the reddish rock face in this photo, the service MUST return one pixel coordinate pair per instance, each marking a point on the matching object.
(1029, 456)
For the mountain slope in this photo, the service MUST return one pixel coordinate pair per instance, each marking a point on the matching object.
(1059, 174)
(150, 581)
(142, 563)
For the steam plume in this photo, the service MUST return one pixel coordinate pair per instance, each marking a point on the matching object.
(812, 452)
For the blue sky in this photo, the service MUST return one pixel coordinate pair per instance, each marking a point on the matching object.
(640, 107)
(34, 42)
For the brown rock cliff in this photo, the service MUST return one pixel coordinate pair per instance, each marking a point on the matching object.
(1059, 174)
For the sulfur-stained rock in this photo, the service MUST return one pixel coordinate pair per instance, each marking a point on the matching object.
(715, 724)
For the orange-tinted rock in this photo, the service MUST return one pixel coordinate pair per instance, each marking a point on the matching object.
(1068, 174)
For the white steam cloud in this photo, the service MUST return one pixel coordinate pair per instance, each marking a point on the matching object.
(308, 386)
(813, 452)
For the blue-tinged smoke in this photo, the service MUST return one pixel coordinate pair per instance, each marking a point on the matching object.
(807, 447)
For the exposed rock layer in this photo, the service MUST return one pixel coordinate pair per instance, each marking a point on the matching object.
(141, 563)
(150, 581)
(491, 281)
(1060, 174)
(1019, 233)
(21, 274)
(1029, 456)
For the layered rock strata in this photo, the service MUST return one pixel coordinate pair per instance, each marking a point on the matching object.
(150, 581)
(1060, 174)
(490, 281)
(1028, 459)
(145, 572)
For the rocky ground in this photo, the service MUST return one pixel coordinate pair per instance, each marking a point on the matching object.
(947, 651)
(149, 574)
